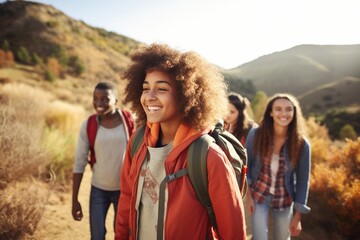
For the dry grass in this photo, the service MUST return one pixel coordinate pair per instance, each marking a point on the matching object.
(36, 134)
(62, 123)
(21, 207)
(20, 131)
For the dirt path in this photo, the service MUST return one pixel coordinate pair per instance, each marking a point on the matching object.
(57, 222)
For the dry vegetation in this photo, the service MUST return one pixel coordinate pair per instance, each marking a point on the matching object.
(37, 140)
(335, 186)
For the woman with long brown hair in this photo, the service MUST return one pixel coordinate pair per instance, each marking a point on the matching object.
(237, 121)
(279, 169)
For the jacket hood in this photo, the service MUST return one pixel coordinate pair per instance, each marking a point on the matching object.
(184, 136)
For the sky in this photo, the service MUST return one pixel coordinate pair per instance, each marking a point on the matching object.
(227, 33)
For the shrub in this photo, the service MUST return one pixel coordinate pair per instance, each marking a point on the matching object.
(6, 58)
(49, 76)
(21, 208)
(21, 200)
(37, 60)
(258, 104)
(60, 54)
(23, 55)
(5, 45)
(335, 188)
(79, 67)
(53, 66)
(347, 131)
(20, 130)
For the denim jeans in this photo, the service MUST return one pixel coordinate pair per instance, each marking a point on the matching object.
(281, 220)
(100, 201)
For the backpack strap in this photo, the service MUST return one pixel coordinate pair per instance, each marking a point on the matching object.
(128, 122)
(161, 209)
(91, 129)
(137, 140)
(197, 172)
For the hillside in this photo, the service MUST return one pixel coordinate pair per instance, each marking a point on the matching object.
(303, 69)
(47, 32)
(339, 94)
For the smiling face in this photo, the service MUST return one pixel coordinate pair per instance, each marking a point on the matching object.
(104, 101)
(158, 99)
(282, 112)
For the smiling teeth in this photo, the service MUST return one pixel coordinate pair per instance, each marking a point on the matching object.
(152, 109)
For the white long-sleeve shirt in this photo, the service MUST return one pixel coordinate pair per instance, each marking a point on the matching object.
(110, 146)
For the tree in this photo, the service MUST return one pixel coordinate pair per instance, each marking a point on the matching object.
(5, 45)
(59, 52)
(347, 131)
(23, 55)
(258, 105)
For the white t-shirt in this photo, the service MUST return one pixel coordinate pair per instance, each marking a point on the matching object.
(274, 169)
(147, 202)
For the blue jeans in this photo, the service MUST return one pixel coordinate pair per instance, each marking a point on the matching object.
(281, 221)
(100, 201)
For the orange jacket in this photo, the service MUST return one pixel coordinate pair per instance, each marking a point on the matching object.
(185, 217)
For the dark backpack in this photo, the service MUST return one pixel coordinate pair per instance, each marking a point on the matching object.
(197, 170)
(92, 127)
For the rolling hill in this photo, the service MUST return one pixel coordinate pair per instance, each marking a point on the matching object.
(313, 73)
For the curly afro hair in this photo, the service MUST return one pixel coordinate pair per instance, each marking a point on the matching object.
(202, 91)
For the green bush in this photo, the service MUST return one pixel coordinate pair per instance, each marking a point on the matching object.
(347, 131)
(23, 55)
(49, 76)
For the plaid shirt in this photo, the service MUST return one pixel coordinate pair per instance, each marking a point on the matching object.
(281, 199)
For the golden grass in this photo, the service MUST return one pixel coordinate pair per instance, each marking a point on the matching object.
(20, 131)
(62, 122)
(36, 135)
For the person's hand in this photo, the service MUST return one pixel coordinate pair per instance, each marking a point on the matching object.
(77, 211)
(295, 225)
(250, 206)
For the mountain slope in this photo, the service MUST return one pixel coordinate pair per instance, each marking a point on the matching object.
(43, 30)
(301, 68)
(337, 94)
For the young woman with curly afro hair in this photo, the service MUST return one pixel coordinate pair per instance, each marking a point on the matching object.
(178, 97)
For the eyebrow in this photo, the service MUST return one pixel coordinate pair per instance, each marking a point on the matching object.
(157, 82)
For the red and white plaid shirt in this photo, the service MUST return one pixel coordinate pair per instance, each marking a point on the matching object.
(281, 199)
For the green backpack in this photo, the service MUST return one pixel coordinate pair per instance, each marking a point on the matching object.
(197, 169)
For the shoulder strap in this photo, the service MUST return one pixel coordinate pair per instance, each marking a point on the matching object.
(129, 122)
(91, 129)
(138, 138)
(197, 171)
